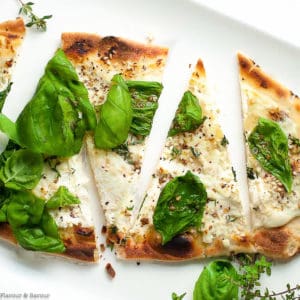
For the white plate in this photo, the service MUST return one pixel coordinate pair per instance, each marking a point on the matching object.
(209, 35)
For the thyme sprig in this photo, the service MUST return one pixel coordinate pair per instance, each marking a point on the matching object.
(251, 268)
(34, 20)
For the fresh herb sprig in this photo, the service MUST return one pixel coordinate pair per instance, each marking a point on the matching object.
(251, 268)
(34, 20)
(178, 297)
(220, 280)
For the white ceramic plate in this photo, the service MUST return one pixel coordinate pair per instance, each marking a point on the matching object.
(206, 34)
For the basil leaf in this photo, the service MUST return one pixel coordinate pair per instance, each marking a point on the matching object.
(269, 145)
(24, 209)
(57, 117)
(180, 206)
(48, 225)
(144, 96)
(22, 170)
(36, 239)
(215, 282)
(4, 200)
(188, 116)
(4, 94)
(9, 128)
(3, 211)
(115, 116)
(61, 198)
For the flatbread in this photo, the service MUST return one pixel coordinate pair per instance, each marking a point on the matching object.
(75, 223)
(11, 37)
(275, 212)
(224, 229)
(97, 60)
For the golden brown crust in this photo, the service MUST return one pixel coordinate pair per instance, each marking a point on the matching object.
(78, 46)
(261, 81)
(278, 243)
(79, 242)
(13, 29)
(181, 248)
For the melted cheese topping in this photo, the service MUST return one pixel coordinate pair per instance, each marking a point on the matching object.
(73, 176)
(223, 217)
(271, 205)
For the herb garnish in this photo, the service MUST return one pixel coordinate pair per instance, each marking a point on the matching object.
(175, 152)
(195, 152)
(180, 206)
(178, 297)
(250, 173)
(224, 141)
(269, 145)
(4, 94)
(220, 280)
(124, 152)
(34, 20)
(234, 173)
(188, 116)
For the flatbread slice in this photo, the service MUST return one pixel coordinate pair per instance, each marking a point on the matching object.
(75, 223)
(203, 152)
(11, 37)
(271, 114)
(117, 171)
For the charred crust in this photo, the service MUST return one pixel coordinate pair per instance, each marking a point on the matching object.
(79, 45)
(110, 270)
(251, 72)
(80, 242)
(83, 248)
(179, 246)
(84, 231)
(87, 254)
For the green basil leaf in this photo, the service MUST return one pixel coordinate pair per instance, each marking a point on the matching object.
(144, 96)
(180, 206)
(36, 239)
(61, 198)
(57, 117)
(115, 116)
(4, 200)
(24, 208)
(3, 211)
(4, 94)
(215, 282)
(269, 145)
(7, 153)
(22, 170)
(188, 116)
(48, 225)
(9, 128)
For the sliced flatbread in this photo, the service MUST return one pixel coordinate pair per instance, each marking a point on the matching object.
(203, 152)
(275, 210)
(97, 60)
(75, 224)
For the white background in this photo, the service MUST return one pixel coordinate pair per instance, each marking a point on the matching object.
(205, 34)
